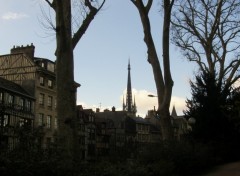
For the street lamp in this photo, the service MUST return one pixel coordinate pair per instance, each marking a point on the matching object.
(150, 95)
(156, 115)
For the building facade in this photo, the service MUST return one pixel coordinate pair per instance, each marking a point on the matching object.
(16, 112)
(37, 76)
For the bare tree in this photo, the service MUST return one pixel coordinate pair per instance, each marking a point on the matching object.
(163, 79)
(66, 87)
(208, 33)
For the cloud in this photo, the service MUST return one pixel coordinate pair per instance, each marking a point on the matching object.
(145, 103)
(236, 84)
(14, 16)
(94, 107)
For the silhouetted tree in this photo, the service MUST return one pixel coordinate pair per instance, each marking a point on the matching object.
(207, 33)
(66, 87)
(163, 79)
(212, 107)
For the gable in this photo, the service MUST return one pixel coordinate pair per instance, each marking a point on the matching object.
(17, 67)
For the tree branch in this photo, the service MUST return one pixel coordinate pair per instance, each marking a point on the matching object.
(51, 4)
(86, 22)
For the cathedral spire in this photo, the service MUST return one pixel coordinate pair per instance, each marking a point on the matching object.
(129, 90)
(129, 106)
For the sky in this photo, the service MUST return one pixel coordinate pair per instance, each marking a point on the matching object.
(101, 57)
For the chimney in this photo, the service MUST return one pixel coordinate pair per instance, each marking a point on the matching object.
(113, 109)
(28, 50)
(97, 110)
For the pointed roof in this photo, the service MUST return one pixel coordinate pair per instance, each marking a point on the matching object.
(174, 112)
(129, 105)
(129, 89)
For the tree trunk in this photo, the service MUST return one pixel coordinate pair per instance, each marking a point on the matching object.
(167, 94)
(163, 84)
(66, 103)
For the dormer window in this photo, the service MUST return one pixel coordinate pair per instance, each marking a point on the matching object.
(50, 66)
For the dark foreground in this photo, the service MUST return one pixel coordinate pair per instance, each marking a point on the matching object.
(231, 169)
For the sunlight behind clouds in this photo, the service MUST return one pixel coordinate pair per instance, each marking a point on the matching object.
(13, 16)
(143, 103)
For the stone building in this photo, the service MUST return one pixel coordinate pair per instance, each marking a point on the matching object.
(37, 76)
(16, 112)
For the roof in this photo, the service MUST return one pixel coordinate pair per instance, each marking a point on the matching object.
(116, 116)
(140, 120)
(179, 121)
(13, 87)
(174, 112)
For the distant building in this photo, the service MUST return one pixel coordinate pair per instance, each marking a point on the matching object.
(179, 123)
(116, 121)
(86, 130)
(37, 76)
(16, 111)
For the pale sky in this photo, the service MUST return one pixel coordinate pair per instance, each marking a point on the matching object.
(102, 55)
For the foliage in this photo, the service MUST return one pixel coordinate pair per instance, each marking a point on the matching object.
(207, 107)
(216, 112)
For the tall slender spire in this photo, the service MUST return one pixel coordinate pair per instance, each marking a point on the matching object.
(129, 105)
(129, 90)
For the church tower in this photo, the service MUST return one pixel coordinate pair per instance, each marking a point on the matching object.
(129, 106)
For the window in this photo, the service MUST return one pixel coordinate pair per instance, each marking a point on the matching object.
(6, 120)
(1, 97)
(50, 67)
(50, 99)
(28, 105)
(49, 118)
(40, 119)
(41, 99)
(22, 122)
(21, 103)
(55, 123)
(50, 84)
(10, 99)
(55, 103)
(41, 81)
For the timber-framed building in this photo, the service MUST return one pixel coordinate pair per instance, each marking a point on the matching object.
(16, 111)
(37, 76)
